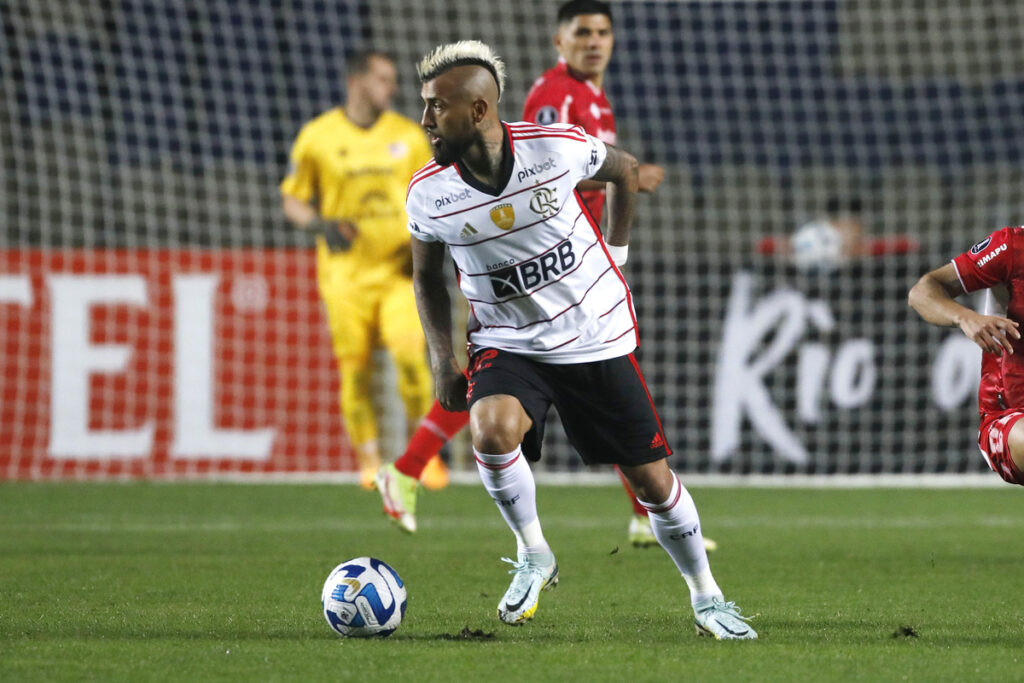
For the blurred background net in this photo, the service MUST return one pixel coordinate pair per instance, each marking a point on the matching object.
(146, 125)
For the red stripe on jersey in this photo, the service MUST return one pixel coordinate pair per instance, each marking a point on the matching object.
(551, 135)
(661, 430)
(495, 200)
(569, 236)
(618, 337)
(535, 130)
(425, 175)
(564, 343)
(425, 167)
(518, 133)
(600, 238)
(506, 234)
(527, 127)
(424, 171)
(556, 315)
(619, 303)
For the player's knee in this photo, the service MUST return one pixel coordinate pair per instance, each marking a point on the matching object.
(356, 378)
(651, 482)
(498, 424)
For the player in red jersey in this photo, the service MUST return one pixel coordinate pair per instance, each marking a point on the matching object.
(570, 92)
(996, 264)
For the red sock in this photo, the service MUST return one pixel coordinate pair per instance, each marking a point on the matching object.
(638, 509)
(434, 431)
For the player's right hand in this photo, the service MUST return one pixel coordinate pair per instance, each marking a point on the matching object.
(993, 333)
(649, 176)
(450, 385)
(340, 235)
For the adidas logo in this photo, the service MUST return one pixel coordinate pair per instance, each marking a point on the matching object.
(467, 231)
(657, 442)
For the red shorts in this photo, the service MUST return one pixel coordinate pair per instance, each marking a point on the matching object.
(992, 438)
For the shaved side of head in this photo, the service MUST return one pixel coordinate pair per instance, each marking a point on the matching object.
(444, 58)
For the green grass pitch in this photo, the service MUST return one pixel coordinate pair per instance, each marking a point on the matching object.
(222, 582)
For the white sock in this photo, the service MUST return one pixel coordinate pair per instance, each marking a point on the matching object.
(676, 525)
(509, 480)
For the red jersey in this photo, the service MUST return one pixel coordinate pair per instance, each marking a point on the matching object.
(997, 263)
(560, 97)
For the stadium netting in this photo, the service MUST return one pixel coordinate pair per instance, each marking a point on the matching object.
(159, 317)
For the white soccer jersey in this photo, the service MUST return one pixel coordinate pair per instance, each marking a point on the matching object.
(530, 260)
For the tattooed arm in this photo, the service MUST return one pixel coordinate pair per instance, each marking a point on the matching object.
(620, 171)
(434, 307)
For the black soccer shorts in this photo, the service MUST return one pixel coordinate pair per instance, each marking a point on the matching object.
(605, 407)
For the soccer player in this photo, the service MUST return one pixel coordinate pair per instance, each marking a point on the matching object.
(571, 92)
(346, 184)
(996, 264)
(551, 319)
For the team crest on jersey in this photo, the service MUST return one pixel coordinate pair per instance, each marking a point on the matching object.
(544, 202)
(398, 150)
(980, 246)
(547, 115)
(504, 216)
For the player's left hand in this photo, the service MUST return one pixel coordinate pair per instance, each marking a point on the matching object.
(993, 333)
(339, 235)
(649, 177)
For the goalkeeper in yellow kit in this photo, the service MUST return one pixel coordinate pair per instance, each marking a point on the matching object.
(349, 169)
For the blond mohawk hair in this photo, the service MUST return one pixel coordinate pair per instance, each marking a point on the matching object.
(463, 53)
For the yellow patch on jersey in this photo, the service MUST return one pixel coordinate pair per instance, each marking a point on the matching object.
(504, 216)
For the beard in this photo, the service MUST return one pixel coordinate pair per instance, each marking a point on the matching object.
(449, 151)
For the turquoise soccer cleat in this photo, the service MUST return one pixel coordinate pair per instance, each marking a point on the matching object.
(520, 601)
(721, 620)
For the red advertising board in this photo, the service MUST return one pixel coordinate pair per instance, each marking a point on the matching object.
(157, 363)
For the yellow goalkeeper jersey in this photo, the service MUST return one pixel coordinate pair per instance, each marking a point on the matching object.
(360, 175)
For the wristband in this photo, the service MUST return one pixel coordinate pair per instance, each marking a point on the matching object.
(618, 254)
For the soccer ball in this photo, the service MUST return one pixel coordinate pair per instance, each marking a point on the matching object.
(817, 246)
(363, 597)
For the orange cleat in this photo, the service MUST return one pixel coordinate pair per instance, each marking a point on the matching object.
(435, 475)
(367, 478)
